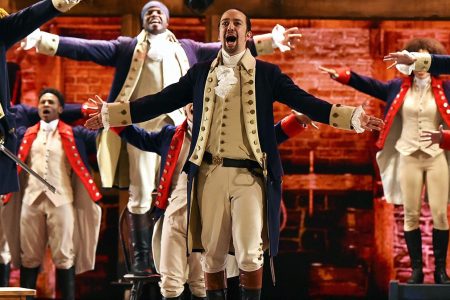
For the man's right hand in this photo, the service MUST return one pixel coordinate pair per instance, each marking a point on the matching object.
(332, 72)
(95, 121)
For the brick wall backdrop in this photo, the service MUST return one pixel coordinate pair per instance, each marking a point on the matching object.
(334, 209)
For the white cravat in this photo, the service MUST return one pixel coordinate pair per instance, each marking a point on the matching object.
(160, 46)
(50, 127)
(225, 73)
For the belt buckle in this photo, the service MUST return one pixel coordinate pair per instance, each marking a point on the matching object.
(217, 160)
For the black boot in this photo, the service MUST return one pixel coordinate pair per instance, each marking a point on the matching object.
(28, 277)
(247, 294)
(216, 285)
(4, 274)
(251, 284)
(140, 232)
(440, 246)
(414, 242)
(65, 279)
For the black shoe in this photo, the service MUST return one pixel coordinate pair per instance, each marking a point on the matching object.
(217, 294)
(440, 245)
(65, 279)
(5, 269)
(141, 233)
(247, 294)
(28, 277)
(414, 242)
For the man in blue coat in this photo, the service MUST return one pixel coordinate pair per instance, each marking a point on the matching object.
(144, 65)
(234, 168)
(13, 28)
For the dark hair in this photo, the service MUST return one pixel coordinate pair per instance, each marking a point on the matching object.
(248, 22)
(431, 45)
(55, 92)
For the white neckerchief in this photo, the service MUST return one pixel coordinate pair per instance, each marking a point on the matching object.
(225, 73)
(160, 46)
(49, 127)
(422, 83)
(231, 60)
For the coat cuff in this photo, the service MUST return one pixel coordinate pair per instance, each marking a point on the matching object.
(445, 140)
(343, 76)
(423, 61)
(290, 126)
(48, 44)
(341, 116)
(263, 44)
(117, 130)
(119, 114)
(64, 5)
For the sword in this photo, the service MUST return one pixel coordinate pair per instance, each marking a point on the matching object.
(24, 166)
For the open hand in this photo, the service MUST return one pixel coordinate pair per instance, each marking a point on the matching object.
(291, 37)
(432, 136)
(370, 122)
(95, 120)
(304, 119)
(332, 72)
(403, 57)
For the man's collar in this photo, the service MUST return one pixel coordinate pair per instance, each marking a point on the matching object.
(247, 61)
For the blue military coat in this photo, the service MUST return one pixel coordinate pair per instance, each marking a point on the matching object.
(13, 28)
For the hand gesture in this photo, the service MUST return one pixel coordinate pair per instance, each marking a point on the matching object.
(291, 37)
(332, 72)
(403, 57)
(432, 136)
(370, 122)
(304, 120)
(95, 120)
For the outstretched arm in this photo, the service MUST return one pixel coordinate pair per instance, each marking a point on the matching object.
(16, 26)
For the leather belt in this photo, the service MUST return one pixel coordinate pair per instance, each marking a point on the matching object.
(230, 162)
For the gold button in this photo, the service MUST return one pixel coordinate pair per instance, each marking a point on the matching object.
(207, 99)
(195, 156)
(222, 142)
(223, 124)
(208, 90)
(258, 150)
(206, 109)
(335, 115)
(250, 81)
(123, 112)
(221, 150)
(224, 116)
(172, 147)
(203, 128)
(253, 131)
(226, 100)
(335, 125)
(339, 105)
(252, 111)
(250, 92)
(165, 171)
(252, 122)
(255, 142)
(210, 79)
(250, 102)
(222, 133)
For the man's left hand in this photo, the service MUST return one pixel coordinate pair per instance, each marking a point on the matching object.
(370, 122)
(291, 37)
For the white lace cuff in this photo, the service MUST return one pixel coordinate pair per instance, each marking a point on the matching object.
(406, 69)
(356, 119)
(105, 116)
(278, 38)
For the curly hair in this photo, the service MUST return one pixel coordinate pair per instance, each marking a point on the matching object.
(431, 45)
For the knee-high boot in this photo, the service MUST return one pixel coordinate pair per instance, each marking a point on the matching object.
(140, 232)
(4, 274)
(414, 242)
(28, 277)
(65, 279)
(216, 285)
(440, 246)
(251, 284)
